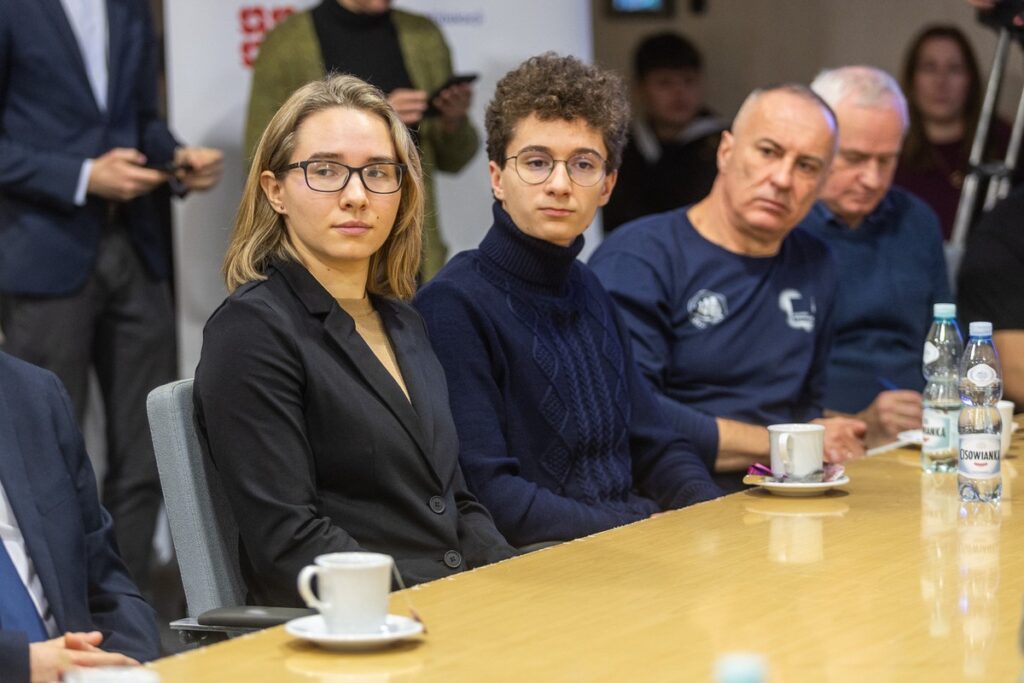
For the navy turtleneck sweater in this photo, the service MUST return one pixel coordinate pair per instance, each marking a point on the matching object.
(560, 436)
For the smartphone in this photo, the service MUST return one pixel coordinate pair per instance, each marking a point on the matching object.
(168, 167)
(454, 79)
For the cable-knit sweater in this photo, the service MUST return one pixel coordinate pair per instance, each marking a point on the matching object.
(559, 435)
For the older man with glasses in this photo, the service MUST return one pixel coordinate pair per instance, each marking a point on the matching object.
(559, 435)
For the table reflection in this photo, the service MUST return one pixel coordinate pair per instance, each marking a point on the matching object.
(978, 527)
(795, 526)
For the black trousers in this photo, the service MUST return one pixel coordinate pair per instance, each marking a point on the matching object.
(122, 324)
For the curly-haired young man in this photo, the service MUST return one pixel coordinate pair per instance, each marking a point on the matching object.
(559, 435)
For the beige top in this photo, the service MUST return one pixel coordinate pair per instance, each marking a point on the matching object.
(371, 328)
(885, 581)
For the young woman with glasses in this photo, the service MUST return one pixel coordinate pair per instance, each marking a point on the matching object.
(317, 395)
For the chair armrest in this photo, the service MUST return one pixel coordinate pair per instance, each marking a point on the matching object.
(249, 616)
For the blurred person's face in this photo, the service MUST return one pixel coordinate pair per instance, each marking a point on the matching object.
(342, 229)
(558, 209)
(671, 97)
(772, 165)
(941, 81)
(366, 6)
(870, 139)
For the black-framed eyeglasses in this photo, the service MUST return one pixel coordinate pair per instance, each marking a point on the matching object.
(380, 177)
(535, 166)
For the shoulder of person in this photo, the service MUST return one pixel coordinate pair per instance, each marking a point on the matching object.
(296, 27)
(649, 237)
(410, 21)
(21, 378)
(910, 205)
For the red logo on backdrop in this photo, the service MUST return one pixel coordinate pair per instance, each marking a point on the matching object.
(254, 21)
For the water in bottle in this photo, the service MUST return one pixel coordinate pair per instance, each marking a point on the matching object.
(981, 386)
(940, 365)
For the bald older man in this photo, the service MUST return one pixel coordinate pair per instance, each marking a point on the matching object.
(888, 247)
(729, 307)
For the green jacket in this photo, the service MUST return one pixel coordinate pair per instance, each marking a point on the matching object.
(290, 57)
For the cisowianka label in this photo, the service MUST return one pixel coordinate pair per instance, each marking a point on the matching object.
(931, 352)
(982, 375)
(937, 428)
(979, 455)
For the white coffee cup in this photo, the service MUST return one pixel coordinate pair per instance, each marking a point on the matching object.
(1005, 409)
(797, 451)
(353, 590)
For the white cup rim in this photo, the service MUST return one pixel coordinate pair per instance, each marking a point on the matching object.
(352, 560)
(795, 427)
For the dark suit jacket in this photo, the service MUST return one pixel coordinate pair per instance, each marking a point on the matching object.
(50, 122)
(49, 481)
(319, 449)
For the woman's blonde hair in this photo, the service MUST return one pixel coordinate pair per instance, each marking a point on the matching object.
(260, 236)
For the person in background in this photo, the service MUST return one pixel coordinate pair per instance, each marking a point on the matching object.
(669, 160)
(66, 598)
(729, 307)
(560, 437)
(944, 92)
(317, 395)
(84, 262)
(403, 54)
(888, 247)
(991, 286)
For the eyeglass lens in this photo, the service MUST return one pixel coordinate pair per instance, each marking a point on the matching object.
(331, 176)
(536, 166)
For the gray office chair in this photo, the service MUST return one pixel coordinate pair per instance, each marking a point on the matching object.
(203, 527)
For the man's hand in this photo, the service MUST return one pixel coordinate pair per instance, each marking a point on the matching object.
(890, 413)
(453, 103)
(408, 104)
(202, 167)
(119, 175)
(844, 438)
(50, 659)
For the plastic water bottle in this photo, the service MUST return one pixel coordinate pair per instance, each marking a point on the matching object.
(981, 386)
(940, 364)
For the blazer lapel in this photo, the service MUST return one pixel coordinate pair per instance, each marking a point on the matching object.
(340, 331)
(19, 491)
(409, 348)
(116, 36)
(69, 42)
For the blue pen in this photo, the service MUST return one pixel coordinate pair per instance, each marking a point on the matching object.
(887, 384)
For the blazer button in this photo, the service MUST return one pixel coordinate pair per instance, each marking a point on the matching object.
(437, 504)
(452, 558)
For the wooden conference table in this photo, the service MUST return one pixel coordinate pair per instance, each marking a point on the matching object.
(886, 581)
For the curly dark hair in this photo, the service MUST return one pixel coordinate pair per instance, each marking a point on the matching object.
(555, 87)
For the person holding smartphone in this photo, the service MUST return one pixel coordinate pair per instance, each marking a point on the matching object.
(403, 54)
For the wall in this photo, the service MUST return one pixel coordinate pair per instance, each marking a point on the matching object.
(747, 43)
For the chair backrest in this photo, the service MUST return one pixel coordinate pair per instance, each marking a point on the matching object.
(202, 525)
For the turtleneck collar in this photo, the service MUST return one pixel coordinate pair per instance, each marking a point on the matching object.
(527, 258)
(354, 19)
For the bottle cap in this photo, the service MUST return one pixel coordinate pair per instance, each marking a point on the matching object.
(981, 329)
(944, 310)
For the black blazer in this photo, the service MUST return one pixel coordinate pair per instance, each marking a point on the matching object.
(319, 449)
(50, 484)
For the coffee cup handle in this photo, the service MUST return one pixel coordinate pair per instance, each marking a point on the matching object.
(785, 441)
(306, 588)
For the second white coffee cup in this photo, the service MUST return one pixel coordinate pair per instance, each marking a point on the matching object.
(1005, 409)
(797, 451)
(353, 590)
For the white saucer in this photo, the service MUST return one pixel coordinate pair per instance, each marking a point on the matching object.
(796, 489)
(313, 629)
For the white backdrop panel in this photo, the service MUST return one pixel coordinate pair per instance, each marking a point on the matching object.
(210, 46)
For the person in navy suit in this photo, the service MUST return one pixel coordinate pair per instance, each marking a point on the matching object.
(64, 591)
(83, 261)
